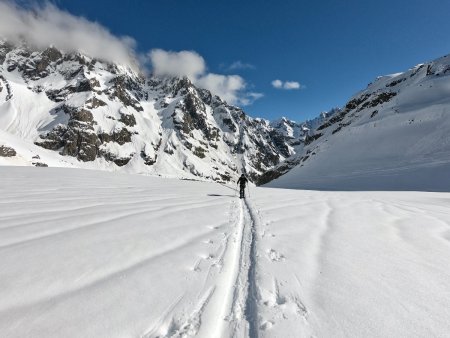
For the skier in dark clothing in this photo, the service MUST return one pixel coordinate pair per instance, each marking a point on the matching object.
(242, 181)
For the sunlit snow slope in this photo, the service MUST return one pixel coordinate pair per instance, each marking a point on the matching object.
(97, 254)
(394, 135)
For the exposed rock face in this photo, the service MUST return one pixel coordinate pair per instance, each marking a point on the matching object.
(128, 119)
(40, 164)
(120, 88)
(5, 48)
(278, 171)
(81, 143)
(118, 160)
(5, 86)
(77, 138)
(121, 137)
(7, 151)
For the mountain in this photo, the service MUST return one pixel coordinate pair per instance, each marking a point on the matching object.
(67, 109)
(394, 135)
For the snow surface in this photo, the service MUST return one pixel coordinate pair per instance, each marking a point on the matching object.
(98, 254)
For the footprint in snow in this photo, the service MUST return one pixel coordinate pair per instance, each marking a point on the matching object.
(266, 325)
(196, 267)
(275, 256)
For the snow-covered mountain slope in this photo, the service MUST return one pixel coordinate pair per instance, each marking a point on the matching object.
(393, 135)
(95, 254)
(108, 116)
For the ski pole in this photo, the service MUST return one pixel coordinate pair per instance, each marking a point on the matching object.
(248, 190)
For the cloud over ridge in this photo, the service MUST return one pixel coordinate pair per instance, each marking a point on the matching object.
(41, 26)
(184, 63)
(44, 25)
(231, 88)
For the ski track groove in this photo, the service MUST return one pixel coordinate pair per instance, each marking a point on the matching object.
(229, 308)
(238, 304)
(242, 309)
(228, 288)
(251, 308)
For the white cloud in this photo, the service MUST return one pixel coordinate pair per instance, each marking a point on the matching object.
(225, 86)
(287, 85)
(230, 88)
(291, 85)
(42, 26)
(249, 98)
(184, 63)
(277, 83)
(240, 65)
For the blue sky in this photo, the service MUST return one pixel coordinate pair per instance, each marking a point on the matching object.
(332, 48)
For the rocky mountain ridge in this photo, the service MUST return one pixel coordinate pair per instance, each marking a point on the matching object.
(115, 118)
(390, 135)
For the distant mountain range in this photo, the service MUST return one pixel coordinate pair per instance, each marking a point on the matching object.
(67, 109)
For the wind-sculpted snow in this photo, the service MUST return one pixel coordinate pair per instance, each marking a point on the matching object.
(96, 254)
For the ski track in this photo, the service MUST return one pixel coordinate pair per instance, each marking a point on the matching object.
(230, 307)
(234, 306)
(253, 297)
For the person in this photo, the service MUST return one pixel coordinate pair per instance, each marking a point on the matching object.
(242, 181)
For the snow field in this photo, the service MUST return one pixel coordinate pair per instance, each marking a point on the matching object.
(354, 264)
(98, 254)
